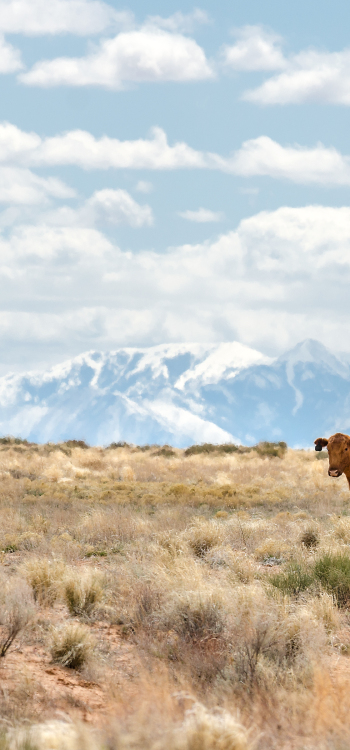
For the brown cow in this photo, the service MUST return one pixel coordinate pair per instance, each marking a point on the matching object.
(338, 447)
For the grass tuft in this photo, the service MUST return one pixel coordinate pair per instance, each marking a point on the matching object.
(72, 645)
(45, 578)
(203, 535)
(83, 591)
(211, 730)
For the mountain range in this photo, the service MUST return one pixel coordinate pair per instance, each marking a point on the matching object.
(182, 394)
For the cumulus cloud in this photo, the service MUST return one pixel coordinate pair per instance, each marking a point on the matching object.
(65, 246)
(80, 17)
(263, 156)
(10, 58)
(117, 207)
(259, 156)
(255, 49)
(81, 149)
(202, 215)
(280, 276)
(148, 54)
(21, 186)
(309, 76)
(103, 207)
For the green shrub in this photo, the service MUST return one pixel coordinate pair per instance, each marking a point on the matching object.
(76, 444)
(165, 451)
(294, 579)
(8, 440)
(333, 572)
(263, 449)
(120, 444)
(194, 450)
(271, 449)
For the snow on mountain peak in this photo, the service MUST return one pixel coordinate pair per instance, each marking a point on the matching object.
(224, 361)
(162, 394)
(154, 356)
(312, 351)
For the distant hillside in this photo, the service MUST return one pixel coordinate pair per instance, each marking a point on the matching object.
(182, 394)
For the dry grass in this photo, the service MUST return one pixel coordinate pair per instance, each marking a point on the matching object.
(213, 586)
(71, 645)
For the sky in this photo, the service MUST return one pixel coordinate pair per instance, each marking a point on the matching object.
(172, 173)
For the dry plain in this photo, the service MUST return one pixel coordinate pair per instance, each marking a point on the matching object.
(159, 599)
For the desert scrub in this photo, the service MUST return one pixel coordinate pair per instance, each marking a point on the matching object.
(195, 450)
(310, 537)
(45, 578)
(202, 535)
(324, 608)
(196, 617)
(72, 645)
(195, 630)
(147, 601)
(263, 449)
(210, 730)
(271, 450)
(333, 572)
(342, 529)
(273, 548)
(271, 642)
(83, 591)
(201, 730)
(16, 611)
(295, 578)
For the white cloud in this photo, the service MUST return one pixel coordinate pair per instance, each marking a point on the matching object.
(10, 58)
(143, 186)
(81, 149)
(21, 186)
(310, 76)
(263, 156)
(117, 207)
(103, 207)
(80, 17)
(183, 22)
(202, 215)
(258, 156)
(149, 54)
(255, 49)
(66, 245)
(17, 145)
(279, 277)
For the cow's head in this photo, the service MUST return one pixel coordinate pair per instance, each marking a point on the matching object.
(338, 447)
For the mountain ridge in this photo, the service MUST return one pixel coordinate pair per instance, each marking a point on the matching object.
(181, 394)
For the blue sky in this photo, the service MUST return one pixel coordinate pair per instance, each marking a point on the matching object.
(172, 173)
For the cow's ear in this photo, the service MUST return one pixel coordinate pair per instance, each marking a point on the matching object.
(320, 443)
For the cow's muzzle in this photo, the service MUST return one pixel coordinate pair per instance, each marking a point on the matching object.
(334, 473)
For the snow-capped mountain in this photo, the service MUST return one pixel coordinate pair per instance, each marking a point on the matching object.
(182, 394)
